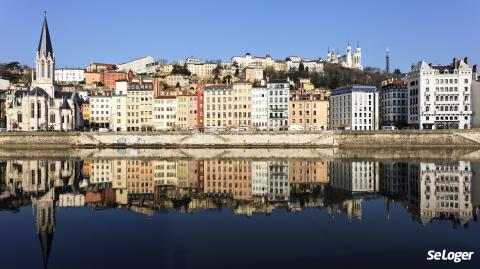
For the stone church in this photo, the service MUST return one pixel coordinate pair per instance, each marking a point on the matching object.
(44, 106)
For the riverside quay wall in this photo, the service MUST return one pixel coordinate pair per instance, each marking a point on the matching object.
(321, 139)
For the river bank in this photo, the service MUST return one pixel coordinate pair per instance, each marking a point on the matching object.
(319, 139)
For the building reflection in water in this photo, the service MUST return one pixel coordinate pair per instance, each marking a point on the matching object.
(430, 191)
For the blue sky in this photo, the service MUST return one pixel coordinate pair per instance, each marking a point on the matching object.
(116, 31)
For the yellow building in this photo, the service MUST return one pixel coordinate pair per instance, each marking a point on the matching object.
(86, 112)
(183, 111)
(253, 74)
(308, 111)
(182, 173)
(139, 106)
(242, 105)
(165, 173)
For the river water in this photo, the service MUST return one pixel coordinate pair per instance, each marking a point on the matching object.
(237, 212)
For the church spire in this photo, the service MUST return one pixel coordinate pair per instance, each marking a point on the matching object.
(45, 45)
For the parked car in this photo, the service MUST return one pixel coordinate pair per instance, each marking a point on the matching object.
(389, 127)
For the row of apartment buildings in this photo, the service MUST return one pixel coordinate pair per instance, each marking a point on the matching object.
(429, 97)
(135, 106)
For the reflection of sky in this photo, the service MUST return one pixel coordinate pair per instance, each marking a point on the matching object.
(321, 222)
(116, 238)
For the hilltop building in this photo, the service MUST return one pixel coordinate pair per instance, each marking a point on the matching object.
(352, 59)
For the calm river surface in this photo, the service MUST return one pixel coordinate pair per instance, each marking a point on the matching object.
(219, 212)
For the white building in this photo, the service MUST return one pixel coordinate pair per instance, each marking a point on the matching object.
(249, 60)
(354, 108)
(440, 191)
(475, 98)
(100, 110)
(138, 66)
(439, 96)
(351, 59)
(71, 200)
(278, 104)
(260, 108)
(69, 75)
(4, 84)
(355, 177)
(118, 121)
(278, 185)
(44, 106)
(164, 112)
(259, 178)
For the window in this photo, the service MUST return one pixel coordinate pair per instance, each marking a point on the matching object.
(52, 118)
(32, 110)
(39, 109)
(19, 117)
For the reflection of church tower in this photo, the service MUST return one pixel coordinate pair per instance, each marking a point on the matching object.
(45, 222)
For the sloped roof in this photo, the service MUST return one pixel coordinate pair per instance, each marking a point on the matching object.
(45, 44)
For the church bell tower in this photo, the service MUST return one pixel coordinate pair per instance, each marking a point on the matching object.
(45, 62)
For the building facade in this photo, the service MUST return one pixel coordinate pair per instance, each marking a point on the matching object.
(393, 103)
(439, 96)
(278, 104)
(308, 111)
(165, 112)
(69, 75)
(354, 108)
(138, 66)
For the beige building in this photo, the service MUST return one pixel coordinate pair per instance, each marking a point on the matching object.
(308, 111)
(242, 105)
(177, 80)
(202, 70)
(139, 107)
(253, 74)
(183, 111)
(217, 105)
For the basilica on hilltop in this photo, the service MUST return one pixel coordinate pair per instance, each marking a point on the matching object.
(351, 59)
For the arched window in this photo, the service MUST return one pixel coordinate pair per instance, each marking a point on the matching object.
(43, 69)
(49, 70)
(52, 118)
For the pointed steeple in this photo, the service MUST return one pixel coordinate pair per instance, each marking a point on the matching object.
(45, 45)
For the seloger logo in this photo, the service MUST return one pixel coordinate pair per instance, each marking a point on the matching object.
(449, 256)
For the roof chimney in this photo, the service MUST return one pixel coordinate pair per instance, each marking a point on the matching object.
(474, 72)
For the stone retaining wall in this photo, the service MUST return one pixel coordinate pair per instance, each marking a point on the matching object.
(320, 139)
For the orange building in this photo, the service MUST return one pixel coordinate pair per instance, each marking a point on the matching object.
(108, 78)
(140, 177)
(307, 172)
(308, 111)
(228, 178)
(91, 77)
